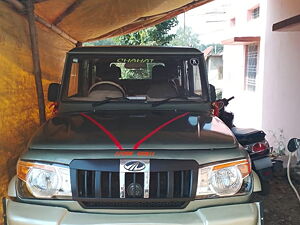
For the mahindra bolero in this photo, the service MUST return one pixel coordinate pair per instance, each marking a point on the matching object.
(133, 141)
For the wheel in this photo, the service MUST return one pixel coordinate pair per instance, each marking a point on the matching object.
(265, 186)
(265, 175)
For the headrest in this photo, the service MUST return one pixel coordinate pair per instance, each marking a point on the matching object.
(159, 73)
(112, 73)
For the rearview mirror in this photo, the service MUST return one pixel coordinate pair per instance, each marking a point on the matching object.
(293, 144)
(53, 91)
(135, 65)
(212, 92)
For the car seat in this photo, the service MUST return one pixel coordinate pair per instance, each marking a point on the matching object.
(161, 86)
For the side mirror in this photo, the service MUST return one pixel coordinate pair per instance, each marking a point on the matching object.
(212, 92)
(53, 91)
(293, 144)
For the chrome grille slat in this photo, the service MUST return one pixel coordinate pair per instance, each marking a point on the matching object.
(109, 184)
(98, 184)
(170, 185)
(158, 185)
(182, 180)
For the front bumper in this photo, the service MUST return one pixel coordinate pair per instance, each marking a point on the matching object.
(30, 214)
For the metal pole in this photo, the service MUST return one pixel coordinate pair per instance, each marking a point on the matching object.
(21, 9)
(36, 61)
(184, 24)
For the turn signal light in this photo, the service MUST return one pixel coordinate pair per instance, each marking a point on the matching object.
(243, 165)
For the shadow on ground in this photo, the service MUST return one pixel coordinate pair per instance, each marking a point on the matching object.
(281, 206)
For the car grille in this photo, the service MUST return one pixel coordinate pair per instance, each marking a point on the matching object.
(96, 184)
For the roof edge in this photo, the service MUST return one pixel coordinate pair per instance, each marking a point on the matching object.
(126, 49)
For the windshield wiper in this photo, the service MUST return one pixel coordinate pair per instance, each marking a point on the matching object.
(108, 100)
(167, 100)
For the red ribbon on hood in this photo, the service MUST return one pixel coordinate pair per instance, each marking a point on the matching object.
(137, 145)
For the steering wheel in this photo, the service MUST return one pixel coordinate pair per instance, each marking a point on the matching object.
(107, 83)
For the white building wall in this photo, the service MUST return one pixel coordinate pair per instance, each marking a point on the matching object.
(243, 26)
(247, 105)
(281, 91)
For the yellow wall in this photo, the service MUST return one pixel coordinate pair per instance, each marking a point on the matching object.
(18, 101)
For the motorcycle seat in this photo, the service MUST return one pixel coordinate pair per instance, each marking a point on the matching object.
(246, 136)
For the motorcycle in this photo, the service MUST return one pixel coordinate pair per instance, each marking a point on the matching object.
(252, 140)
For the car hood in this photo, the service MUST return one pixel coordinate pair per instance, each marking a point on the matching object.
(133, 130)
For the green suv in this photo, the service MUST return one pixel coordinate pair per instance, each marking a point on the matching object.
(133, 141)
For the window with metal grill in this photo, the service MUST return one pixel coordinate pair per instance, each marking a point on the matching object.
(253, 13)
(251, 67)
(232, 22)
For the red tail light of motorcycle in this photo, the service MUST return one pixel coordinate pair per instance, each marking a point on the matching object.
(260, 147)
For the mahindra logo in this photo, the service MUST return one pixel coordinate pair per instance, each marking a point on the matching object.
(134, 166)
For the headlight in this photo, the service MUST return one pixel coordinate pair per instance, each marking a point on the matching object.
(45, 180)
(225, 179)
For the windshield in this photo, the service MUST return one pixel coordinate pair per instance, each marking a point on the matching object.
(151, 78)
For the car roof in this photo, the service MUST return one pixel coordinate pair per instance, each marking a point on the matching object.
(144, 50)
